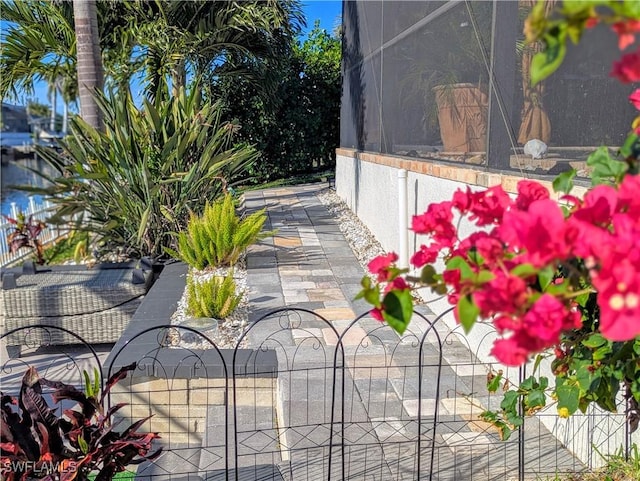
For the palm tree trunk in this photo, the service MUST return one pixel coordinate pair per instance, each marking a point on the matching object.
(178, 77)
(89, 60)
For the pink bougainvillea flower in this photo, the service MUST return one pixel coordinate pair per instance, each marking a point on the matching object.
(504, 294)
(634, 98)
(619, 315)
(599, 205)
(509, 352)
(529, 191)
(507, 323)
(437, 222)
(425, 255)
(488, 207)
(618, 286)
(462, 200)
(627, 69)
(380, 265)
(572, 200)
(541, 233)
(546, 319)
(398, 284)
(376, 313)
(628, 198)
(626, 31)
(490, 248)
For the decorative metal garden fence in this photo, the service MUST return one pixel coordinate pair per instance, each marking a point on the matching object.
(310, 399)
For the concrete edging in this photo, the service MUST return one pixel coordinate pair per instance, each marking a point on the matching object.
(156, 309)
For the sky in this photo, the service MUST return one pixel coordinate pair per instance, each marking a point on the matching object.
(327, 11)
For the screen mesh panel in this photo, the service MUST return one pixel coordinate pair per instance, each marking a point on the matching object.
(448, 82)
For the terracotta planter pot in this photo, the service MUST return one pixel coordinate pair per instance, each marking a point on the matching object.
(462, 115)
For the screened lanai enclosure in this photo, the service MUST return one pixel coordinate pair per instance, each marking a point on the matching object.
(449, 82)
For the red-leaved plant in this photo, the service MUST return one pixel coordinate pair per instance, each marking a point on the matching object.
(25, 234)
(36, 443)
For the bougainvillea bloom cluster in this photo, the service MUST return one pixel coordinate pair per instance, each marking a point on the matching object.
(533, 262)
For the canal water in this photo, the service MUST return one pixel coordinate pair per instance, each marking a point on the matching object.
(13, 173)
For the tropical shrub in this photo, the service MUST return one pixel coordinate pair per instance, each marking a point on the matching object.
(215, 297)
(296, 127)
(38, 444)
(219, 236)
(139, 180)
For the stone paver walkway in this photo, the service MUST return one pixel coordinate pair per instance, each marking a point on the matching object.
(308, 264)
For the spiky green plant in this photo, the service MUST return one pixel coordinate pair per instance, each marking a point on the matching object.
(138, 182)
(215, 297)
(219, 236)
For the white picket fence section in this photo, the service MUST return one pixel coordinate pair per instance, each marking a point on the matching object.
(39, 211)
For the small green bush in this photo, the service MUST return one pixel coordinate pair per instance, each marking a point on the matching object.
(219, 236)
(215, 297)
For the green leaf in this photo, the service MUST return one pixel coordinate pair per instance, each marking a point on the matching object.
(568, 397)
(536, 365)
(483, 277)
(143, 223)
(528, 384)
(366, 282)
(84, 447)
(427, 275)
(88, 385)
(631, 8)
(602, 352)
(545, 63)
(510, 401)
(372, 296)
(594, 340)
(606, 392)
(630, 146)
(467, 313)
(504, 431)
(462, 265)
(535, 399)
(96, 382)
(575, 7)
(545, 277)
(440, 289)
(494, 383)
(564, 181)
(524, 270)
(398, 309)
(543, 382)
(605, 168)
(582, 299)
(586, 378)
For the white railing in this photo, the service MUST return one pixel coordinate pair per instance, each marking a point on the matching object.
(39, 211)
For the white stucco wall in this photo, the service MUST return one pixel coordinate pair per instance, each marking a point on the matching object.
(371, 191)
